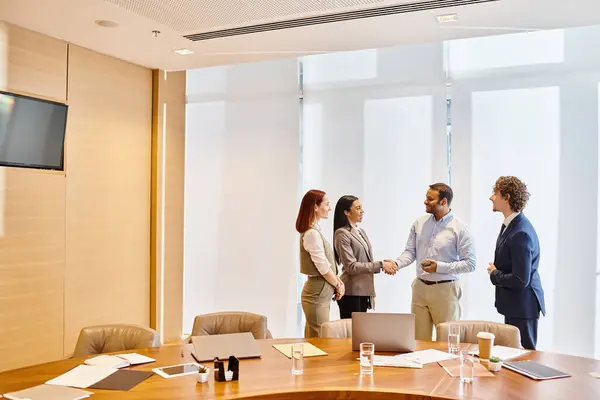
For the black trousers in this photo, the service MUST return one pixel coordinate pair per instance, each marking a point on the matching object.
(350, 304)
(528, 328)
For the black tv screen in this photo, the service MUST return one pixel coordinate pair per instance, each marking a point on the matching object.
(32, 132)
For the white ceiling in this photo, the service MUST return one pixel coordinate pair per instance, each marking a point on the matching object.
(73, 21)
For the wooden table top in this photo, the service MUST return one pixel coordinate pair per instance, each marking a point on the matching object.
(333, 376)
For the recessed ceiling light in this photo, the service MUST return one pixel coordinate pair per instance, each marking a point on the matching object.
(447, 18)
(107, 24)
(183, 52)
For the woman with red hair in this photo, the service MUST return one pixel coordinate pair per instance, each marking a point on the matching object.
(317, 261)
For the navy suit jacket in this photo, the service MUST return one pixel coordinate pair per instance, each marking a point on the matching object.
(519, 292)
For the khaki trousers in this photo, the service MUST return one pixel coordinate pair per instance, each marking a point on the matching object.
(316, 301)
(433, 304)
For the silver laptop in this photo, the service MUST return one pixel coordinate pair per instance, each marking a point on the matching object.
(387, 331)
(240, 345)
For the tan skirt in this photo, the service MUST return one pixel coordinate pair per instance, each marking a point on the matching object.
(316, 301)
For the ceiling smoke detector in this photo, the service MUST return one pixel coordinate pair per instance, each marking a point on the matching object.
(106, 24)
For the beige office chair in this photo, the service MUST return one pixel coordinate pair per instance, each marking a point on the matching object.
(339, 329)
(506, 335)
(231, 322)
(119, 337)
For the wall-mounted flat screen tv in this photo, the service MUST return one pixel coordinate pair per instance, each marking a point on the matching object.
(32, 132)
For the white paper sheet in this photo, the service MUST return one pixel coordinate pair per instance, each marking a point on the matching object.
(505, 353)
(46, 392)
(135, 358)
(107, 361)
(427, 356)
(395, 361)
(412, 360)
(82, 376)
(309, 350)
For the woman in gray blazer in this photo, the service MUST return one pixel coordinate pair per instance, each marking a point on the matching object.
(354, 253)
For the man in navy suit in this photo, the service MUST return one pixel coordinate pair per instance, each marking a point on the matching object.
(519, 293)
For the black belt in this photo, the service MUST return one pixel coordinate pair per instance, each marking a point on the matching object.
(435, 282)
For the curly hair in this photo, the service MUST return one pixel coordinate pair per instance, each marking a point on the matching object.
(515, 188)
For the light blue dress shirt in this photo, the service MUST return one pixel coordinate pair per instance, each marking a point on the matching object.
(447, 241)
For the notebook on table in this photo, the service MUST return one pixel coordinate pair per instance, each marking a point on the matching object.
(118, 361)
(534, 370)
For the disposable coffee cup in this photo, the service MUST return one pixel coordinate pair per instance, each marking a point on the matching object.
(486, 342)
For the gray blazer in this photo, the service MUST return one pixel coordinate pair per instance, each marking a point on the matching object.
(358, 266)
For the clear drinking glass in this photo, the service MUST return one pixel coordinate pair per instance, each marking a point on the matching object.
(367, 352)
(454, 339)
(297, 358)
(467, 367)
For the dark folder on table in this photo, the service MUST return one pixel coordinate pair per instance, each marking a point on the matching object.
(123, 379)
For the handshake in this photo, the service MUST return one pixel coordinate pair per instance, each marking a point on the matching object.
(390, 267)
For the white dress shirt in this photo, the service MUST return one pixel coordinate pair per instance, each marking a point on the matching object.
(510, 218)
(313, 243)
(447, 241)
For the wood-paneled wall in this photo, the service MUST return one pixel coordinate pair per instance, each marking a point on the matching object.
(169, 108)
(74, 246)
(32, 243)
(107, 276)
(37, 64)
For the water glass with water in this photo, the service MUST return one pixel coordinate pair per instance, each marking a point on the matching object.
(367, 354)
(297, 358)
(454, 339)
(467, 367)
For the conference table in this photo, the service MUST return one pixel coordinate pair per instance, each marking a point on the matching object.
(333, 376)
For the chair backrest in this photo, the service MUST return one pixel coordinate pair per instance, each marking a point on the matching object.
(506, 335)
(339, 329)
(231, 322)
(118, 337)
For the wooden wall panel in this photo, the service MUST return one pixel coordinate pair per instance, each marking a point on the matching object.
(32, 262)
(32, 221)
(108, 193)
(75, 249)
(170, 90)
(37, 64)
(3, 55)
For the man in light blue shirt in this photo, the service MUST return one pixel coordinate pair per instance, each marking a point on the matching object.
(443, 248)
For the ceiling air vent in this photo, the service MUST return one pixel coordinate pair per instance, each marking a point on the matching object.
(330, 18)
